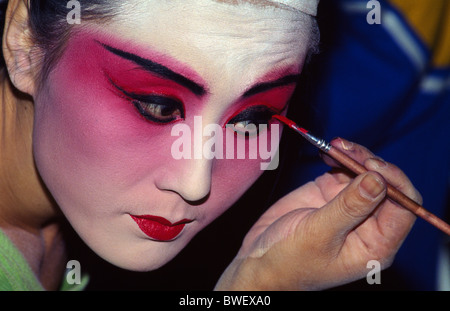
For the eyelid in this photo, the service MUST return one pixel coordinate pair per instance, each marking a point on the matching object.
(155, 98)
(261, 107)
(138, 96)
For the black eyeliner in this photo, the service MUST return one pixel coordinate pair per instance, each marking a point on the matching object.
(160, 101)
(255, 114)
(152, 99)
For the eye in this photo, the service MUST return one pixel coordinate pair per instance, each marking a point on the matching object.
(156, 108)
(247, 123)
(160, 109)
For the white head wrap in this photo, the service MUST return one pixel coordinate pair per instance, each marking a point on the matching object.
(305, 6)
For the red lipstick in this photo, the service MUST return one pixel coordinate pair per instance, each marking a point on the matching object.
(159, 228)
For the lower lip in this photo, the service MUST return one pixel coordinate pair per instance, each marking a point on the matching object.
(159, 228)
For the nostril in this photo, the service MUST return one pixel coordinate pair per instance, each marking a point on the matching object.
(187, 199)
(194, 193)
(198, 202)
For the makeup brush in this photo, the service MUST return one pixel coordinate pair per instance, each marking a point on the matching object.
(354, 166)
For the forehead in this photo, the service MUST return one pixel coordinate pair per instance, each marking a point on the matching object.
(216, 38)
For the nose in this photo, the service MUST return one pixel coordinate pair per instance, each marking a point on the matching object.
(191, 179)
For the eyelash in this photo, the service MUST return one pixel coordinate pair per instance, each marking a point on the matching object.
(255, 115)
(147, 105)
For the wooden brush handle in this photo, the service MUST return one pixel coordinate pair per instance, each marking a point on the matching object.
(392, 193)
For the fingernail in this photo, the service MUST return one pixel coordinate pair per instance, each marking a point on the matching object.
(371, 187)
(377, 163)
(347, 145)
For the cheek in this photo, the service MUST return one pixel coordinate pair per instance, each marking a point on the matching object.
(232, 177)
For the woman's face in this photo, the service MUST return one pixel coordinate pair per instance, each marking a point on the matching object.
(104, 117)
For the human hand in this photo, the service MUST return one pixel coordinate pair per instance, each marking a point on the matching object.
(324, 233)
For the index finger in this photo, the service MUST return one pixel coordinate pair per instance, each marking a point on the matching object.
(357, 152)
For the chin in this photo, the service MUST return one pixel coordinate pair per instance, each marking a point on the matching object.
(144, 257)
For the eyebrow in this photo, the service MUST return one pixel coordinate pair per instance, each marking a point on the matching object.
(265, 86)
(158, 69)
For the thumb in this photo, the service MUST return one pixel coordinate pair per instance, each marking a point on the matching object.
(352, 205)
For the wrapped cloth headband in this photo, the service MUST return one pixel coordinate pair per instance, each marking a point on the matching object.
(305, 6)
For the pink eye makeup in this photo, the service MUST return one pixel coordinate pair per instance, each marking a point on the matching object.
(274, 94)
(159, 94)
(157, 108)
(159, 70)
(267, 86)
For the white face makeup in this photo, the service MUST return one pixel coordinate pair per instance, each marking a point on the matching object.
(103, 164)
(234, 40)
